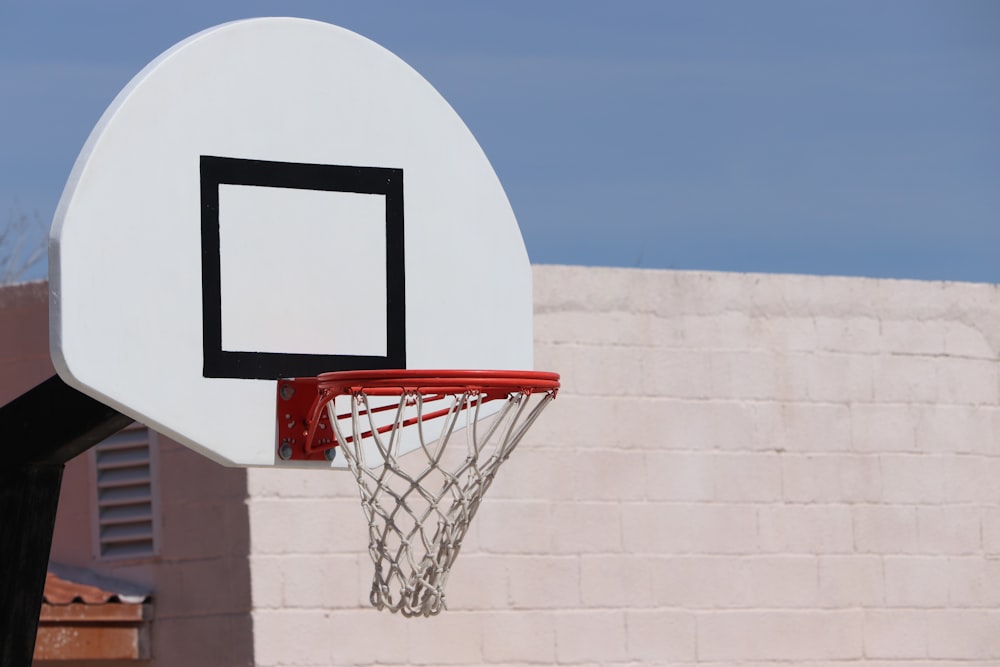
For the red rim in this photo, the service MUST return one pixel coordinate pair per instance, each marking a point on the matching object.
(447, 381)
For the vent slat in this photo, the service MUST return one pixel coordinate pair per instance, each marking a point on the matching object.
(130, 476)
(128, 550)
(127, 456)
(124, 439)
(125, 510)
(127, 513)
(127, 532)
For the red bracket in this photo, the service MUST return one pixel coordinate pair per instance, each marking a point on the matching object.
(296, 402)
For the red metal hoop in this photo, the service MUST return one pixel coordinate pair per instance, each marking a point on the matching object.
(303, 433)
(494, 384)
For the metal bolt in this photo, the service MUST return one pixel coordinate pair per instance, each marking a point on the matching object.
(285, 451)
(330, 454)
(286, 391)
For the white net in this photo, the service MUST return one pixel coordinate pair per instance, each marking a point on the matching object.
(419, 506)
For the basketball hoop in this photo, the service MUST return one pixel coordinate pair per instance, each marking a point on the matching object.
(419, 507)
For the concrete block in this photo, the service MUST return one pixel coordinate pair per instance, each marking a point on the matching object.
(528, 637)
(971, 381)
(307, 526)
(964, 340)
(590, 636)
(934, 478)
(606, 474)
(686, 373)
(973, 479)
(587, 474)
(726, 330)
(970, 583)
(299, 483)
(851, 581)
(795, 333)
(857, 334)
(347, 637)
(680, 475)
(586, 528)
(479, 581)
(639, 423)
(949, 529)
(692, 425)
(328, 581)
(730, 636)
(921, 582)
(889, 529)
(657, 636)
(991, 530)
(616, 581)
(750, 374)
(451, 638)
(805, 529)
(914, 336)
(964, 634)
(537, 582)
(918, 478)
(838, 378)
(961, 429)
(595, 370)
(701, 582)
(895, 634)
(805, 427)
(617, 328)
(753, 477)
(830, 478)
(510, 526)
(583, 422)
(685, 529)
(782, 582)
(815, 295)
(879, 427)
(903, 378)
(266, 582)
(532, 473)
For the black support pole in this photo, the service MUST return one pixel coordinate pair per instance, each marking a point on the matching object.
(39, 431)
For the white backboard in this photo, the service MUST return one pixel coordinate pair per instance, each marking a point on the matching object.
(277, 198)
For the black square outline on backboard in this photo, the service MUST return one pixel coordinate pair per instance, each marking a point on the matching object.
(248, 364)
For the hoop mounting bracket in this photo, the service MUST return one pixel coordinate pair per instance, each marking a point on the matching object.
(295, 401)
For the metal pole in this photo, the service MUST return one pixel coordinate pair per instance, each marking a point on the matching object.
(39, 431)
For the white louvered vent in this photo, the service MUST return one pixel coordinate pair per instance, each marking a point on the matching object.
(125, 525)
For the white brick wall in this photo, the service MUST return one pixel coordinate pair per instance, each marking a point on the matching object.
(751, 469)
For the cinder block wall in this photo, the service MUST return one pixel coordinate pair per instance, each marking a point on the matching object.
(740, 469)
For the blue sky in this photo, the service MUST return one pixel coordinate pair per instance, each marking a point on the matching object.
(848, 137)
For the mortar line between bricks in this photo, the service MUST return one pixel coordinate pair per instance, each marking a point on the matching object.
(777, 350)
(776, 400)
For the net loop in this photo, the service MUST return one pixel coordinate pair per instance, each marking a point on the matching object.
(419, 506)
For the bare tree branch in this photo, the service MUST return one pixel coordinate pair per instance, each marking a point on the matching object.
(22, 244)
